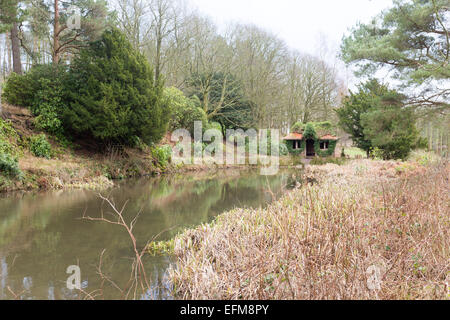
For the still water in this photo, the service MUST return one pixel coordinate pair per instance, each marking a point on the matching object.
(41, 234)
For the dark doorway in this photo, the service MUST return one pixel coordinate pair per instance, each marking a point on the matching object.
(310, 148)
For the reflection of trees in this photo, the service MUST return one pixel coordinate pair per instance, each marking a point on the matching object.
(22, 216)
(46, 232)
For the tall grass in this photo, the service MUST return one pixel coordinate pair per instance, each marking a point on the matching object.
(354, 152)
(322, 241)
(424, 157)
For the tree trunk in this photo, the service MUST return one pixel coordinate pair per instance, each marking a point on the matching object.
(158, 52)
(56, 28)
(158, 59)
(15, 46)
(8, 54)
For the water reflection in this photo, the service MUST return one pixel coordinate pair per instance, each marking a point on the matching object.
(42, 234)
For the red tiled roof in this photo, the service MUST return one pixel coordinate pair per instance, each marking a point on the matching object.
(328, 137)
(293, 136)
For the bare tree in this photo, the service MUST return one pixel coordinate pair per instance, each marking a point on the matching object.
(260, 59)
(163, 25)
(134, 20)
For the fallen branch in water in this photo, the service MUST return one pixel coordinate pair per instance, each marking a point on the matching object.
(138, 277)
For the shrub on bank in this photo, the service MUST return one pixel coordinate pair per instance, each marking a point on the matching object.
(22, 90)
(41, 90)
(162, 154)
(283, 149)
(112, 95)
(8, 139)
(18, 90)
(48, 105)
(9, 166)
(184, 111)
(9, 151)
(40, 147)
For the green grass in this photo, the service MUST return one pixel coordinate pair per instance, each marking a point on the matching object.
(354, 152)
(318, 161)
(424, 157)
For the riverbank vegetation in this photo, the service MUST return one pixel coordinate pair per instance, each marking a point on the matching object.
(112, 91)
(34, 160)
(378, 124)
(321, 240)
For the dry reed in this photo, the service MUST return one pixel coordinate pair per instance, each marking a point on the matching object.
(325, 240)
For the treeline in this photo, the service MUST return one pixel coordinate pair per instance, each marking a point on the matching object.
(108, 94)
(243, 77)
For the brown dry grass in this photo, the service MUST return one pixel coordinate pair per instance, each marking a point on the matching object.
(320, 241)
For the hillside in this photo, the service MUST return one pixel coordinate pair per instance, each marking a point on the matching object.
(77, 165)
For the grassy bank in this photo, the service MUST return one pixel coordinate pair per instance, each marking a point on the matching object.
(322, 240)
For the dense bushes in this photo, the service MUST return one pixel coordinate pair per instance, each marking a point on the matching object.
(40, 147)
(378, 122)
(8, 138)
(9, 166)
(41, 90)
(9, 151)
(284, 151)
(108, 93)
(184, 111)
(391, 130)
(112, 95)
(48, 105)
(162, 154)
(19, 90)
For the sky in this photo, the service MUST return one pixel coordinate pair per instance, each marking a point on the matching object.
(298, 22)
(302, 24)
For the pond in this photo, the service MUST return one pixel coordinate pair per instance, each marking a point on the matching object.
(41, 234)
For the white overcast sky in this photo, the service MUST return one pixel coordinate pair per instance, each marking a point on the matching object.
(298, 22)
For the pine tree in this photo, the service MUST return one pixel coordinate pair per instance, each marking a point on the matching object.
(375, 117)
(392, 130)
(412, 39)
